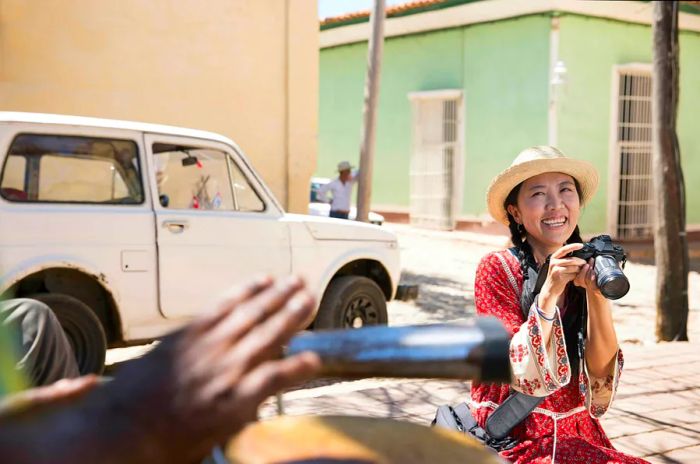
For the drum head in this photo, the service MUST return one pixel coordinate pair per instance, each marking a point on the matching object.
(350, 439)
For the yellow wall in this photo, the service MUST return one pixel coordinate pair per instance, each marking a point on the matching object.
(245, 68)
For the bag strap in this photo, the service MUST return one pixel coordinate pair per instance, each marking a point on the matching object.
(510, 413)
(518, 405)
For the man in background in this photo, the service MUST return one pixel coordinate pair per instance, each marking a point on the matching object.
(341, 188)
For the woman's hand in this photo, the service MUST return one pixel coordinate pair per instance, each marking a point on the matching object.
(586, 278)
(562, 270)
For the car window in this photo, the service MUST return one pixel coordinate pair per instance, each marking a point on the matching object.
(245, 196)
(201, 178)
(13, 178)
(56, 168)
(192, 178)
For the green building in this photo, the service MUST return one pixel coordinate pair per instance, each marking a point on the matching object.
(466, 85)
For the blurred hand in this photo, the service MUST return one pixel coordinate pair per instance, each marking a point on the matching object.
(198, 387)
(204, 383)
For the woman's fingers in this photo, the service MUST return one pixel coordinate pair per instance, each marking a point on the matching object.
(563, 271)
(591, 269)
(582, 276)
(566, 249)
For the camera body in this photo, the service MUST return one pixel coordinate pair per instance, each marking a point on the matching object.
(608, 262)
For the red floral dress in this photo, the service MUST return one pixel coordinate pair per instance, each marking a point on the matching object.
(564, 428)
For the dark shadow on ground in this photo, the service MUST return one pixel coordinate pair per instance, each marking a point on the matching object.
(409, 400)
(445, 298)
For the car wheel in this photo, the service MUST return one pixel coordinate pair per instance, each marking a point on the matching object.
(351, 302)
(82, 328)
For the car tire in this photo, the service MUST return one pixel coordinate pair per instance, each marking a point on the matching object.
(82, 328)
(351, 302)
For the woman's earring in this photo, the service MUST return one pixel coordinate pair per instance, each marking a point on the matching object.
(521, 229)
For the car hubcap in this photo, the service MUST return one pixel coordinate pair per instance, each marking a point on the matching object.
(360, 312)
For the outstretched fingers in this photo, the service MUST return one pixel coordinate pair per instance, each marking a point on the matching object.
(230, 300)
(262, 343)
(250, 313)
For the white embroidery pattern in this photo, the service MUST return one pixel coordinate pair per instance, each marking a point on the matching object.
(511, 277)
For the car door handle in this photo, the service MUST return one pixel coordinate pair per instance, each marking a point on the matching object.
(176, 226)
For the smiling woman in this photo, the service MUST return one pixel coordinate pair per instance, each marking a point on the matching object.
(547, 206)
(564, 356)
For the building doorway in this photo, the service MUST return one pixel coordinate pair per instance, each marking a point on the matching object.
(436, 158)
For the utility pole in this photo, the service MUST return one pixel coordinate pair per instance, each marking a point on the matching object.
(374, 63)
(670, 241)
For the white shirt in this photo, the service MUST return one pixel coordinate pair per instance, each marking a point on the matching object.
(342, 192)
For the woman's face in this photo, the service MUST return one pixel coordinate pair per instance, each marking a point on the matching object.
(548, 206)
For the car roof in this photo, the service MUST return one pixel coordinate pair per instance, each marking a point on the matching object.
(45, 118)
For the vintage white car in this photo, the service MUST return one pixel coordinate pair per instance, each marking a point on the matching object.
(127, 230)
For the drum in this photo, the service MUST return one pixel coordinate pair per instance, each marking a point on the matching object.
(352, 439)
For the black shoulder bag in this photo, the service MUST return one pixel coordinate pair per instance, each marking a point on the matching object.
(518, 405)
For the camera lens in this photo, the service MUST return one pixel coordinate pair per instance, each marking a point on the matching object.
(612, 282)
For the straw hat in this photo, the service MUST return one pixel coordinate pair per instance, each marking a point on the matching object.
(532, 162)
(344, 166)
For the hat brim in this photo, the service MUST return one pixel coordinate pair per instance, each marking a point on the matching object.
(584, 172)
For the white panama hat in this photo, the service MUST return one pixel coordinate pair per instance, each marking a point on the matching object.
(532, 162)
(344, 166)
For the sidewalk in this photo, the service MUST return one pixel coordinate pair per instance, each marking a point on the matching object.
(655, 415)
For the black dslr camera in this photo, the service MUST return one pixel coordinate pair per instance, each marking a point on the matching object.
(607, 258)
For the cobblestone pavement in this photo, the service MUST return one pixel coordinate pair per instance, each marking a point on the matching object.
(656, 413)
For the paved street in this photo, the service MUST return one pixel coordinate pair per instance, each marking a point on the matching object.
(656, 413)
(657, 410)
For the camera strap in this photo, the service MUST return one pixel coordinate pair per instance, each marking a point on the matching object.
(518, 405)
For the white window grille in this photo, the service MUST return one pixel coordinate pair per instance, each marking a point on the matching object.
(631, 207)
(436, 158)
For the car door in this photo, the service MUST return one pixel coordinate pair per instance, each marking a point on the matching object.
(215, 224)
(74, 200)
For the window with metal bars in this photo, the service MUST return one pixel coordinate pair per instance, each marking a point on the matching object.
(633, 149)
